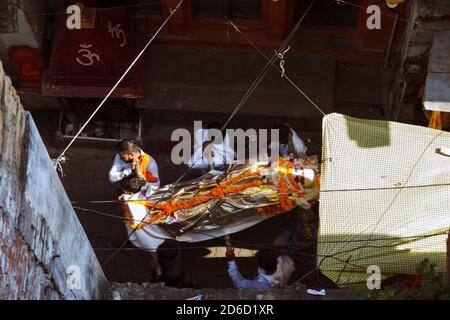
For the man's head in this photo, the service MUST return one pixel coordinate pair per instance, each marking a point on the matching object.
(127, 149)
(267, 260)
(284, 131)
(131, 184)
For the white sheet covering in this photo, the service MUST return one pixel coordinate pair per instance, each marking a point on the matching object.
(365, 217)
(149, 237)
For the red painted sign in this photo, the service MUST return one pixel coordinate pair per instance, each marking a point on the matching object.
(88, 62)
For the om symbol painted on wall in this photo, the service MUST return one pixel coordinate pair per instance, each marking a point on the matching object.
(88, 58)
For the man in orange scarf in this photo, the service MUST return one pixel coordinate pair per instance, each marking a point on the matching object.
(130, 159)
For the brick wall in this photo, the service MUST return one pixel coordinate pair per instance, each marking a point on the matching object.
(40, 235)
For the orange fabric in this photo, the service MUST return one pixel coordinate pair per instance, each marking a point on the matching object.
(168, 207)
(145, 160)
(435, 121)
(229, 187)
(286, 202)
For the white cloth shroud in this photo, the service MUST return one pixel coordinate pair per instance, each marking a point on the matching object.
(222, 153)
(149, 237)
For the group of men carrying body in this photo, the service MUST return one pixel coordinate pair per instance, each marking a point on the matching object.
(135, 170)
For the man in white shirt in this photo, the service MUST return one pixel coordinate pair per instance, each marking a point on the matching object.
(130, 159)
(289, 142)
(221, 153)
(273, 271)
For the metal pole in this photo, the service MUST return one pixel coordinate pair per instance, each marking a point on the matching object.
(227, 241)
(391, 39)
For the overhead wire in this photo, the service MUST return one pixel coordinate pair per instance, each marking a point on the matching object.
(61, 157)
(247, 94)
(111, 8)
(286, 250)
(409, 238)
(430, 185)
(396, 196)
(271, 62)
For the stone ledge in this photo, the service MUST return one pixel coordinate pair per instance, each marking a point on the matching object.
(152, 291)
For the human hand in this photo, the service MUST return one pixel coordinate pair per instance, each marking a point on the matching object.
(230, 253)
(142, 177)
(135, 156)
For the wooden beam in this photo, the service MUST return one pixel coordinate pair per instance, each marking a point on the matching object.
(178, 23)
(274, 14)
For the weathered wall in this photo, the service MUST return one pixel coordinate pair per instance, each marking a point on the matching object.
(427, 18)
(215, 79)
(40, 235)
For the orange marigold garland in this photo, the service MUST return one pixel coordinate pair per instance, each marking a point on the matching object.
(227, 187)
(286, 203)
(168, 207)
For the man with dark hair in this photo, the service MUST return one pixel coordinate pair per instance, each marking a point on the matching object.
(289, 142)
(273, 271)
(131, 184)
(130, 159)
(267, 260)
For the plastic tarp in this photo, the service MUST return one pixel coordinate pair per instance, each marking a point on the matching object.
(384, 200)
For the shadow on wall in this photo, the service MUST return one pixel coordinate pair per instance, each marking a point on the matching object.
(368, 133)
